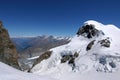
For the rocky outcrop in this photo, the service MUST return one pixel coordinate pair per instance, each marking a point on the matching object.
(42, 57)
(8, 52)
(65, 58)
(70, 58)
(89, 46)
(105, 42)
(88, 31)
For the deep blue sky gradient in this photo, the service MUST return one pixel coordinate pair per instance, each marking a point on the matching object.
(55, 17)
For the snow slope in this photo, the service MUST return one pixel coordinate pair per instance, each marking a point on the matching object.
(9, 73)
(100, 62)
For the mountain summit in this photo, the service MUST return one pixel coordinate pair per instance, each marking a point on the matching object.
(95, 48)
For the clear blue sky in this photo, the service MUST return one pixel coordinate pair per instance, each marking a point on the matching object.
(55, 17)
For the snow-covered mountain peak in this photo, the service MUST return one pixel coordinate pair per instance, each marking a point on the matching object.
(107, 29)
(91, 29)
(99, 25)
(95, 47)
(92, 22)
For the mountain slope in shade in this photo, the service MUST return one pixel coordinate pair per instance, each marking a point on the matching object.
(93, 52)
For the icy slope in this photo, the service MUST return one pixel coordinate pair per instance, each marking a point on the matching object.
(96, 47)
(9, 73)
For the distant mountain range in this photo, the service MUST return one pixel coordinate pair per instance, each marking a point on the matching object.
(34, 46)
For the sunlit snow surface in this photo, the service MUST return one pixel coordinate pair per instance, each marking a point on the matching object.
(87, 64)
(9, 73)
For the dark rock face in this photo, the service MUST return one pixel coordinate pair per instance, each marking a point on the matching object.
(88, 31)
(8, 53)
(89, 46)
(42, 57)
(76, 55)
(105, 42)
(70, 59)
(65, 58)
